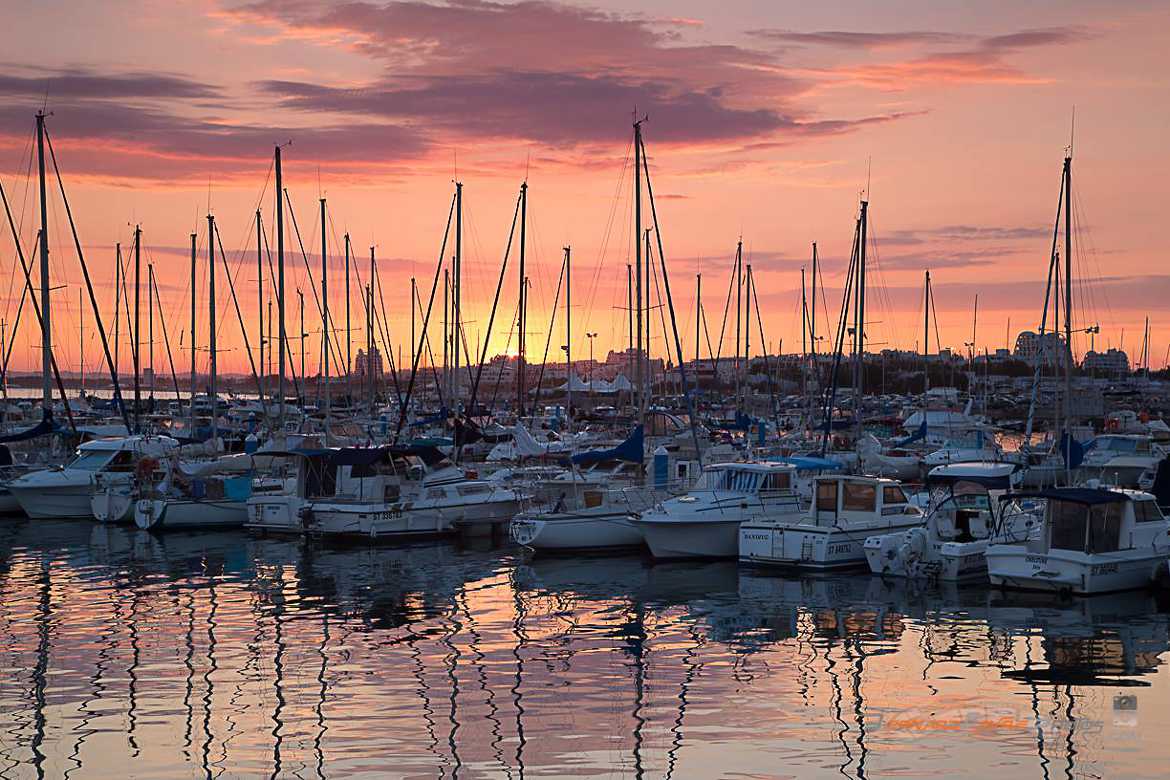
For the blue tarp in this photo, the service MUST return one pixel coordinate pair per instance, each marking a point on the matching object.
(918, 435)
(630, 450)
(1088, 496)
(434, 418)
(809, 463)
(1072, 451)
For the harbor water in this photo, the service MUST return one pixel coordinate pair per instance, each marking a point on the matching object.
(231, 655)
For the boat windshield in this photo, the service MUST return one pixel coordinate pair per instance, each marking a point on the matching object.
(91, 460)
(1090, 529)
(732, 480)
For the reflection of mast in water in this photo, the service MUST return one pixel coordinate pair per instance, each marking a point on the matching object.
(521, 641)
(108, 643)
(423, 691)
(481, 671)
(1035, 697)
(693, 670)
(635, 632)
(44, 643)
(321, 727)
(835, 705)
(806, 662)
(451, 661)
(212, 667)
(132, 671)
(859, 705)
(1070, 749)
(189, 662)
(278, 681)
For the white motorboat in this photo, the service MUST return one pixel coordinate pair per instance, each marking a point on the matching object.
(705, 522)
(832, 533)
(960, 523)
(66, 491)
(1120, 458)
(406, 491)
(978, 445)
(1091, 541)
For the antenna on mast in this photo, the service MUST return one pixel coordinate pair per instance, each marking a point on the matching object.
(1072, 130)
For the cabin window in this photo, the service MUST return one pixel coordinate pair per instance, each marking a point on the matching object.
(892, 494)
(780, 480)
(859, 497)
(91, 460)
(1105, 527)
(827, 496)
(1069, 523)
(1147, 512)
(436, 493)
(123, 461)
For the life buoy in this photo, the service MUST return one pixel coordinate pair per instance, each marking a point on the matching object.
(145, 467)
(1112, 424)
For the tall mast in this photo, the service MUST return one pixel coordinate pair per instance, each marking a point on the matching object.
(1068, 312)
(118, 307)
(861, 240)
(926, 339)
(150, 326)
(747, 333)
(698, 321)
(370, 342)
(738, 312)
(522, 319)
(46, 320)
(803, 335)
(81, 310)
(348, 334)
(301, 302)
(639, 373)
(137, 342)
(812, 329)
(281, 329)
(568, 339)
(446, 330)
(325, 320)
(630, 321)
(193, 338)
(457, 331)
(212, 375)
(412, 316)
(260, 303)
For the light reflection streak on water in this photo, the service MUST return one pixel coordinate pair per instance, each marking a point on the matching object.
(224, 654)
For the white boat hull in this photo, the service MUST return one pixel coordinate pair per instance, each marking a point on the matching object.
(942, 561)
(276, 513)
(686, 539)
(807, 546)
(1067, 571)
(158, 514)
(112, 504)
(375, 521)
(576, 531)
(60, 500)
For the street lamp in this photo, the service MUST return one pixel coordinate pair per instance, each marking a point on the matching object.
(591, 336)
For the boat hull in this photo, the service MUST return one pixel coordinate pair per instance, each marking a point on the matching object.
(808, 547)
(61, 500)
(668, 539)
(376, 521)
(1063, 571)
(166, 514)
(576, 531)
(887, 556)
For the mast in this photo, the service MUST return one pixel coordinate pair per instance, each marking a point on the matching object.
(301, 301)
(118, 307)
(281, 328)
(861, 240)
(1068, 314)
(738, 313)
(568, 340)
(212, 377)
(803, 335)
(747, 334)
(446, 330)
(926, 339)
(630, 323)
(46, 321)
(812, 329)
(638, 368)
(698, 320)
(413, 336)
(192, 405)
(150, 326)
(81, 311)
(325, 320)
(457, 331)
(348, 334)
(370, 342)
(260, 304)
(522, 319)
(137, 342)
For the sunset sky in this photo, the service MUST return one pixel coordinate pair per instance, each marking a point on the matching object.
(765, 120)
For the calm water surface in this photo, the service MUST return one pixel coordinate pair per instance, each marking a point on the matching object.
(227, 655)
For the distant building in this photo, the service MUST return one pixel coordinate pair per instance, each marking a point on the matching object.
(1112, 362)
(365, 366)
(1048, 348)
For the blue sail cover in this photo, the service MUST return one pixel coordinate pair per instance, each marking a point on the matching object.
(1072, 451)
(44, 427)
(918, 435)
(629, 450)
(434, 418)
